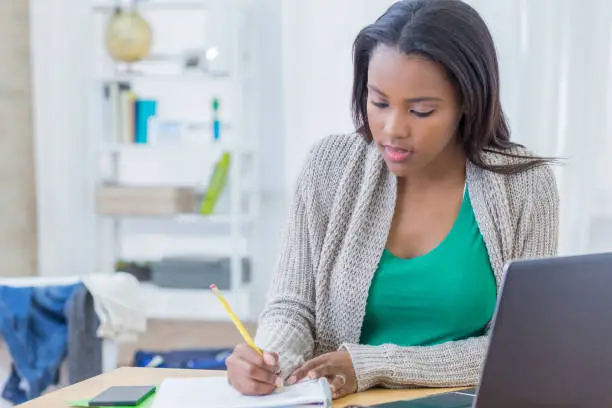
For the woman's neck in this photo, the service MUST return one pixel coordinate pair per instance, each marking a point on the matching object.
(447, 169)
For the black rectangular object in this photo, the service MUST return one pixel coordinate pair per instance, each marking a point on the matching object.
(122, 396)
(552, 330)
(463, 399)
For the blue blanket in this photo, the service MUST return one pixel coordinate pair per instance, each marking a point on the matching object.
(34, 327)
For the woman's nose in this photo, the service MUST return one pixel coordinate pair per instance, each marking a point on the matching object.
(397, 125)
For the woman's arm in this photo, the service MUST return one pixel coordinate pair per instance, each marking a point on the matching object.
(286, 325)
(445, 365)
(287, 322)
(457, 363)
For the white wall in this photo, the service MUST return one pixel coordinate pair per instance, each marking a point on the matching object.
(317, 40)
(60, 62)
(272, 145)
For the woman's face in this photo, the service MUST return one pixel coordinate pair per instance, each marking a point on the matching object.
(413, 110)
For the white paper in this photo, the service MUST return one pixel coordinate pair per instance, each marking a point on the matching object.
(215, 392)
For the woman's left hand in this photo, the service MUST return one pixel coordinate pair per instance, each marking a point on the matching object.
(337, 367)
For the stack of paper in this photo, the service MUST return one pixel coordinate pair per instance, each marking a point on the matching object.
(215, 392)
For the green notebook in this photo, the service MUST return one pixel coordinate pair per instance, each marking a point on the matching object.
(144, 404)
(216, 185)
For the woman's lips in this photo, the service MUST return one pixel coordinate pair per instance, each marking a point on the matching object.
(396, 154)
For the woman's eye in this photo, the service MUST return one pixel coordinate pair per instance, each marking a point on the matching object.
(420, 114)
(380, 105)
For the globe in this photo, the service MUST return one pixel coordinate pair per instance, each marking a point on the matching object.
(128, 36)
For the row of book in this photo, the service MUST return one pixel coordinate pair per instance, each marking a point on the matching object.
(127, 116)
(128, 121)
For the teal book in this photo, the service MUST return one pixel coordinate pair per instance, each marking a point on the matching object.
(144, 110)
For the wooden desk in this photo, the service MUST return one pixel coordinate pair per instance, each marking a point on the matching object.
(146, 376)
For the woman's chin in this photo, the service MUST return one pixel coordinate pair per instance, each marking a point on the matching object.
(400, 169)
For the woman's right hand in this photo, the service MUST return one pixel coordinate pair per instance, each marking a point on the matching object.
(251, 374)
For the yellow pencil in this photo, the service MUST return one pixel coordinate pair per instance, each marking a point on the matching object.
(245, 334)
(237, 322)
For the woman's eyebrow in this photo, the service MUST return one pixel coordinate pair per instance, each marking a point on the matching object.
(409, 100)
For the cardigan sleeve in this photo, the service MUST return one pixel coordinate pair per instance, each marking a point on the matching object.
(287, 323)
(457, 363)
(541, 226)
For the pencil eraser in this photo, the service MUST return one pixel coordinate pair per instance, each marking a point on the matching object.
(213, 286)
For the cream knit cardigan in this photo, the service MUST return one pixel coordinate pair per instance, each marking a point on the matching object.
(337, 231)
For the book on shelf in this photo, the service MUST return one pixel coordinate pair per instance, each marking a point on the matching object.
(119, 200)
(127, 114)
(216, 185)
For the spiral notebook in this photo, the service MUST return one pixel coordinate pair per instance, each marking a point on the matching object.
(215, 392)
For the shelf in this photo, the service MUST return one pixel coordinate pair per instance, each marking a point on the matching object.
(185, 76)
(150, 247)
(193, 125)
(169, 148)
(188, 218)
(109, 5)
(192, 304)
(173, 57)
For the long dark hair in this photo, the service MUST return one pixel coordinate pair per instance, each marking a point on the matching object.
(452, 34)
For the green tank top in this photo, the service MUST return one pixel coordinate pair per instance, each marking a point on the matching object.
(444, 295)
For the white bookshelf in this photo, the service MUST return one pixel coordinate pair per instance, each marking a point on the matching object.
(109, 5)
(169, 77)
(237, 139)
(196, 218)
(194, 304)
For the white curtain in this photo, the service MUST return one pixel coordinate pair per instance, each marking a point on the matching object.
(555, 65)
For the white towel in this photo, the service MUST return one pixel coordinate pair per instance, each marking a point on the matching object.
(119, 305)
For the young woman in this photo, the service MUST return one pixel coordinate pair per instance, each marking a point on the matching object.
(399, 233)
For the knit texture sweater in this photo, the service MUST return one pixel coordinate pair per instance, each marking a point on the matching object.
(337, 231)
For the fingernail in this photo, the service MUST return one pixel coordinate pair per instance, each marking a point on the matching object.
(268, 359)
(291, 380)
(278, 382)
(312, 375)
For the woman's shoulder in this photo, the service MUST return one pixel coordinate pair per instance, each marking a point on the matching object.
(338, 149)
(332, 155)
(335, 162)
(525, 186)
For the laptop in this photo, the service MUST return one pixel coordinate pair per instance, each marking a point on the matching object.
(551, 339)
